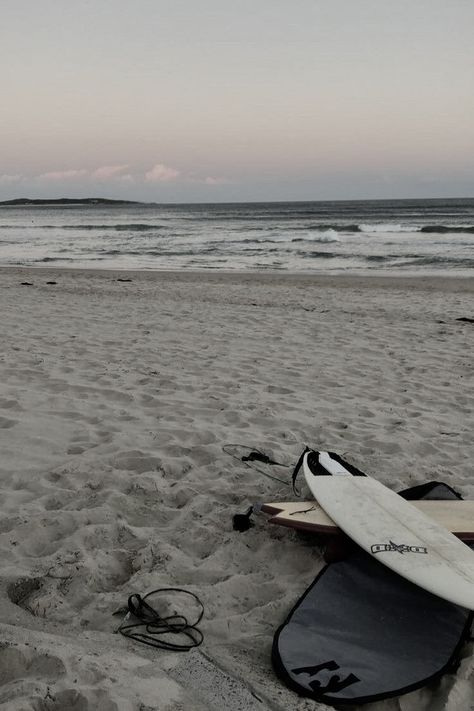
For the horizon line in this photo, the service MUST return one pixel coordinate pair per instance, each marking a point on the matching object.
(10, 201)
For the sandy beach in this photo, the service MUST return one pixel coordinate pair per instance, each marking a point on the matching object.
(116, 401)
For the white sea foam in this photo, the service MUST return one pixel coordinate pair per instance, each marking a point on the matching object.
(326, 236)
(388, 227)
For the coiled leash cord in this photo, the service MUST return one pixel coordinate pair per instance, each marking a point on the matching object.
(253, 455)
(154, 626)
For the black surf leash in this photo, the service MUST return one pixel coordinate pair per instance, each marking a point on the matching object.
(254, 455)
(150, 627)
(258, 456)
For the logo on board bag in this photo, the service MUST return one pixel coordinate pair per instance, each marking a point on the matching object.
(334, 685)
(397, 547)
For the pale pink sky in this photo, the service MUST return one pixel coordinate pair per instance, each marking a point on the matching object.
(173, 100)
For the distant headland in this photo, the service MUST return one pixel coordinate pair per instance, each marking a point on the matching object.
(21, 202)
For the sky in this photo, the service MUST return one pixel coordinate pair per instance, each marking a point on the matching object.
(184, 101)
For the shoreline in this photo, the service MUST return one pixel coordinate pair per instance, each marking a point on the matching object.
(448, 283)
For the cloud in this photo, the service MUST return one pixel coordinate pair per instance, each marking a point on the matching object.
(9, 179)
(115, 174)
(208, 180)
(161, 174)
(215, 181)
(63, 174)
(109, 171)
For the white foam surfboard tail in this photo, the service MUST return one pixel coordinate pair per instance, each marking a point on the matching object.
(392, 530)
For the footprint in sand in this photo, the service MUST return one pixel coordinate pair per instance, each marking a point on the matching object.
(28, 681)
(6, 423)
(136, 461)
(8, 404)
(74, 700)
(16, 665)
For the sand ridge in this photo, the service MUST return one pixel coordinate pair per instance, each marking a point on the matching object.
(116, 400)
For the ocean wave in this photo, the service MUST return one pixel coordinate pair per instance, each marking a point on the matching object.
(331, 227)
(174, 253)
(329, 235)
(328, 230)
(132, 227)
(388, 227)
(246, 240)
(55, 259)
(379, 258)
(444, 229)
(440, 261)
(323, 238)
(426, 229)
(320, 255)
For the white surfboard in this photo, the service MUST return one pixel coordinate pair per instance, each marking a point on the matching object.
(392, 530)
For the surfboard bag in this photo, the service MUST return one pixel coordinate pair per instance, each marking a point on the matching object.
(362, 633)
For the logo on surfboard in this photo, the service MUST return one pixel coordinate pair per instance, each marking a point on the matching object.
(397, 547)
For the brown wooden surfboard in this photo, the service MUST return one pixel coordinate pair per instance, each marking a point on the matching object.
(456, 516)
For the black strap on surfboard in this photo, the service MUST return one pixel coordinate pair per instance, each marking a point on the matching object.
(297, 468)
(319, 469)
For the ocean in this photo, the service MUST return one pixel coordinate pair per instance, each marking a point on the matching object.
(426, 237)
